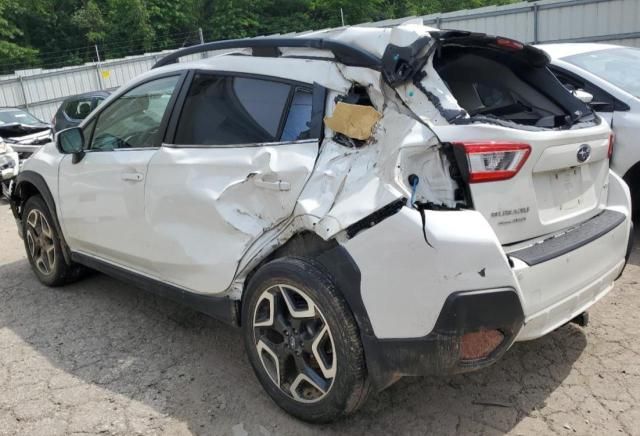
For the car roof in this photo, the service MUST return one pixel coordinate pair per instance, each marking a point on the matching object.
(559, 51)
(89, 94)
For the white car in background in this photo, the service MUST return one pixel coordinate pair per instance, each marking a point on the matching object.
(611, 74)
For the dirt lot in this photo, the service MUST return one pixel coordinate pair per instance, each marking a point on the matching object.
(103, 357)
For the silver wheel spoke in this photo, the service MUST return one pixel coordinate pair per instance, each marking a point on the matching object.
(265, 299)
(264, 351)
(328, 369)
(46, 229)
(294, 309)
(302, 381)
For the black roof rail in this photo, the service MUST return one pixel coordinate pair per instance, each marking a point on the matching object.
(344, 53)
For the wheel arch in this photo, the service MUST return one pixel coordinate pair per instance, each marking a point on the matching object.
(332, 258)
(28, 184)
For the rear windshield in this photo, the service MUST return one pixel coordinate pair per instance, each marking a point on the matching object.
(619, 66)
(505, 87)
(12, 116)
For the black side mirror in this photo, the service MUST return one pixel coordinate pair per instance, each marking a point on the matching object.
(71, 141)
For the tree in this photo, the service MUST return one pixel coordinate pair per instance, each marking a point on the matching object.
(90, 20)
(128, 28)
(11, 52)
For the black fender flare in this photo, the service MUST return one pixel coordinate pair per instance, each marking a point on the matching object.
(20, 195)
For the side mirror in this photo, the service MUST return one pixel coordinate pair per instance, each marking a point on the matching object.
(583, 96)
(71, 141)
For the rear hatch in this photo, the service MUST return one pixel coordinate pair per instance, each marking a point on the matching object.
(551, 191)
(534, 158)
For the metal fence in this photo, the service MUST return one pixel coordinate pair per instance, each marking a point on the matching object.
(611, 21)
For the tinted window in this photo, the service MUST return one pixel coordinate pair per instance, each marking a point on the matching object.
(97, 101)
(78, 109)
(299, 117)
(133, 120)
(225, 110)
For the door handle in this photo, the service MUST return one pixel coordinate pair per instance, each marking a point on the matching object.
(132, 177)
(277, 185)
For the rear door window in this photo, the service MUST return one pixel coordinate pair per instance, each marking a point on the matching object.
(229, 110)
(78, 109)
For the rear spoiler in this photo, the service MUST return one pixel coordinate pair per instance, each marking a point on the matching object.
(344, 53)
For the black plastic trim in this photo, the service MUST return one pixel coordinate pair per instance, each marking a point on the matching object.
(570, 239)
(376, 217)
(438, 353)
(221, 308)
(344, 53)
(17, 201)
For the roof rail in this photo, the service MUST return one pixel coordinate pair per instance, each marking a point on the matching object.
(344, 53)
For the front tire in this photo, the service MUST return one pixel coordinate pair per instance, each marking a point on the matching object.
(303, 342)
(43, 246)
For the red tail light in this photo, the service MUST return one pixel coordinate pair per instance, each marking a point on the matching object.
(493, 161)
(612, 140)
(509, 43)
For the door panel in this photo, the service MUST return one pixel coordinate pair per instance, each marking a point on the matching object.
(102, 195)
(102, 204)
(206, 206)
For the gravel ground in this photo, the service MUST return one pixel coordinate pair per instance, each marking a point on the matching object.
(101, 356)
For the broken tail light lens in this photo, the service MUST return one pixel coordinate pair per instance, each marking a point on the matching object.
(612, 140)
(494, 161)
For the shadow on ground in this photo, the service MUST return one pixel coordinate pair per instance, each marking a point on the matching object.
(194, 369)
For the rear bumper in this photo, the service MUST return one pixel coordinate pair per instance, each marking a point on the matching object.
(438, 353)
(555, 291)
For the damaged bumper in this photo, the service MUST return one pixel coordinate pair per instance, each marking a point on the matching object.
(422, 324)
(473, 330)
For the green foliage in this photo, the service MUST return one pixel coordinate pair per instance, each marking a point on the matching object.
(11, 52)
(54, 33)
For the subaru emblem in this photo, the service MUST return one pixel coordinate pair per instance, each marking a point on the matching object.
(584, 153)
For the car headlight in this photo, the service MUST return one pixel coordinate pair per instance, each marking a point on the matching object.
(4, 148)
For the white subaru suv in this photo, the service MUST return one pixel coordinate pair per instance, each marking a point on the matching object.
(365, 203)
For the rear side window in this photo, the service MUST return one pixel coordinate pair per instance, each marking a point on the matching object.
(228, 110)
(299, 119)
(78, 109)
(222, 110)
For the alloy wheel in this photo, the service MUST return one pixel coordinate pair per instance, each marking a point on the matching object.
(39, 237)
(294, 343)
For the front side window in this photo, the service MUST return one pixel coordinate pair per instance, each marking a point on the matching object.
(227, 110)
(134, 119)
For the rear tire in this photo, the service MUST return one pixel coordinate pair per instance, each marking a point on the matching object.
(43, 245)
(303, 342)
